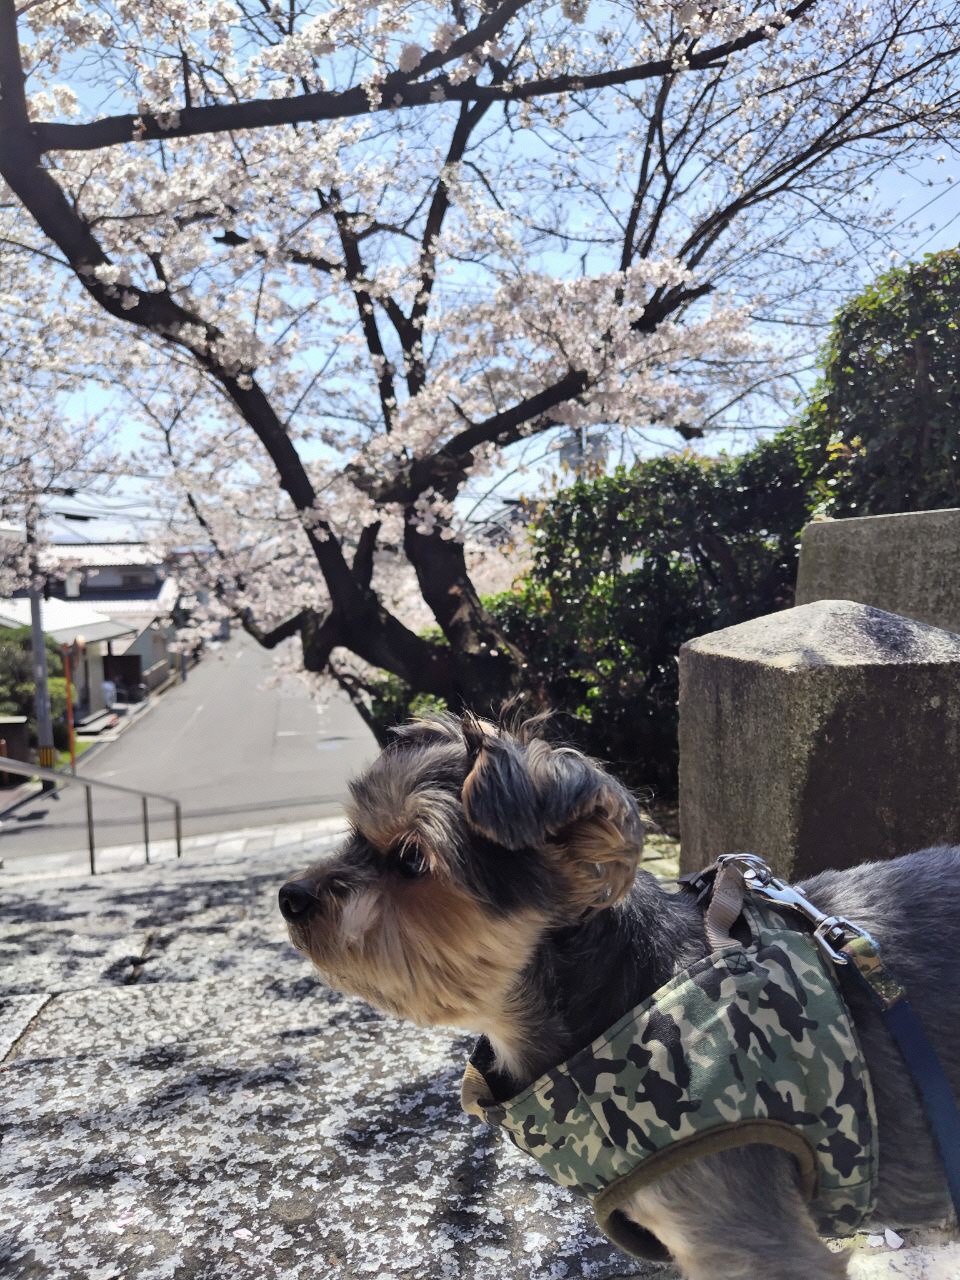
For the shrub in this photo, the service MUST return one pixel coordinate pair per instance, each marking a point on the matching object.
(889, 397)
(629, 566)
(17, 690)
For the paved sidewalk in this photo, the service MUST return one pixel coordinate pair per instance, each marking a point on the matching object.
(182, 1100)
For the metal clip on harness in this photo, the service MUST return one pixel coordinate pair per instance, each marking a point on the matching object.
(833, 933)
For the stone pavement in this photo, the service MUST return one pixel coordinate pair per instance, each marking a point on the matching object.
(182, 1100)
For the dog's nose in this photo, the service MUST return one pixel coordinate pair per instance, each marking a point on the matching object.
(296, 901)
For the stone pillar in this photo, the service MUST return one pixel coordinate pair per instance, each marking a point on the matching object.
(907, 564)
(822, 736)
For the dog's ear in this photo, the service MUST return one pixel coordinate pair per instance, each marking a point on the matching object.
(530, 795)
(498, 796)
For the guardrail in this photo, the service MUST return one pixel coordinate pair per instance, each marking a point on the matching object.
(25, 770)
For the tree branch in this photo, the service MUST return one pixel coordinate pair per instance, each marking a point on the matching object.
(355, 689)
(356, 276)
(270, 639)
(439, 205)
(363, 556)
(397, 90)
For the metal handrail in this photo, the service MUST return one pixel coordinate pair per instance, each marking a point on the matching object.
(26, 770)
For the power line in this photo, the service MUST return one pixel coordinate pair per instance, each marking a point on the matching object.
(82, 536)
(948, 187)
(939, 231)
(123, 473)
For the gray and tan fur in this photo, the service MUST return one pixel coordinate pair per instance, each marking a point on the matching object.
(490, 882)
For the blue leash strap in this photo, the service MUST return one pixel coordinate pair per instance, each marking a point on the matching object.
(925, 1067)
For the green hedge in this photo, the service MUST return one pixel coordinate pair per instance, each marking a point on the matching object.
(889, 395)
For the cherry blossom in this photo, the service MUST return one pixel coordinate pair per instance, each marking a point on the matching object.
(350, 266)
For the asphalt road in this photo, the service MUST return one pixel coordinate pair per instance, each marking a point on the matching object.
(235, 752)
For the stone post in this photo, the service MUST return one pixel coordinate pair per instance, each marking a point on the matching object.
(907, 564)
(822, 736)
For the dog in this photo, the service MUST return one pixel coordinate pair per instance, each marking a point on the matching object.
(491, 882)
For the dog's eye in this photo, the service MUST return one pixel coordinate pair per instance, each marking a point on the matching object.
(410, 861)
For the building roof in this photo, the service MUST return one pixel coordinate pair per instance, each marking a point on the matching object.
(148, 602)
(65, 621)
(101, 555)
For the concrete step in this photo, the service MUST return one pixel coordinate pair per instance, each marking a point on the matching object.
(97, 723)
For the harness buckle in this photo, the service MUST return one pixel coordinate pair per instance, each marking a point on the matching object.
(832, 933)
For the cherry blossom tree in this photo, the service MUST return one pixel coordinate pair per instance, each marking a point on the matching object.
(352, 261)
(47, 447)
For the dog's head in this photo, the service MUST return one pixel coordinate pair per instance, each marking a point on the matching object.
(469, 843)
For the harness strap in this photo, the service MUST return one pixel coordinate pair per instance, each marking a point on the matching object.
(845, 944)
(903, 1023)
(725, 906)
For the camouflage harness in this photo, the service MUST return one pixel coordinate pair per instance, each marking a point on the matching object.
(751, 1044)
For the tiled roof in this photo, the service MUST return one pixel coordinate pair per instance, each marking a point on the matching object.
(101, 555)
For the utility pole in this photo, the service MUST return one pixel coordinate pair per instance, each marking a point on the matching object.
(46, 756)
